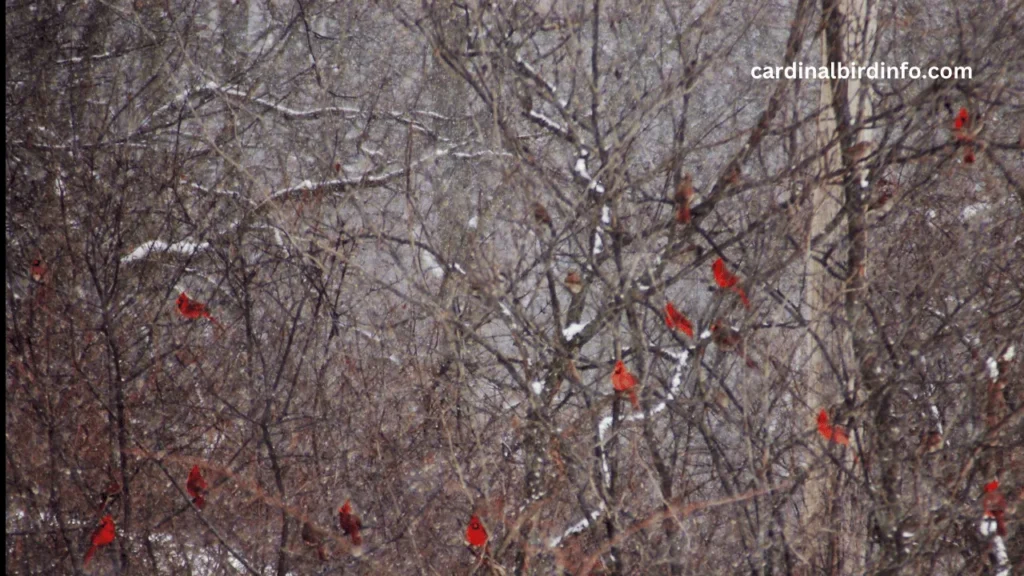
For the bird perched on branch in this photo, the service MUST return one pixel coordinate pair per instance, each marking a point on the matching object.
(728, 339)
(193, 309)
(196, 487)
(102, 536)
(675, 320)
(994, 505)
(476, 534)
(623, 381)
(829, 432)
(574, 282)
(313, 536)
(541, 215)
(682, 197)
(350, 524)
(728, 280)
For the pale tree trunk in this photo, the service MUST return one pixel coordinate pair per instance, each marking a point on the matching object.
(848, 30)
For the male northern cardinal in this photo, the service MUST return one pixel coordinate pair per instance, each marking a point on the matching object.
(573, 282)
(350, 523)
(193, 309)
(102, 536)
(196, 487)
(37, 270)
(829, 432)
(675, 320)
(994, 504)
(961, 124)
(313, 536)
(726, 279)
(683, 195)
(476, 534)
(962, 133)
(624, 381)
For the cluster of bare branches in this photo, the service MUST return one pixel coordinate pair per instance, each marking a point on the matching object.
(427, 234)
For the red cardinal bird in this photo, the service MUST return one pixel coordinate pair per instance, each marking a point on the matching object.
(196, 487)
(961, 119)
(962, 133)
(350, 523)
(37, 270)
(675, 320)
(727, 279)
(961, 124)
(193, 309)
(101, 537)
(624, 381)
(476, 534)
(831, 433)
(994, 504)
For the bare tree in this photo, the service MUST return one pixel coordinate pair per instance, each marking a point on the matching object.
(418, 258)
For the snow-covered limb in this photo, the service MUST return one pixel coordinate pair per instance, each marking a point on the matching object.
(144, 249)
(574, 529)
(572, 330)
(993, 368)
(548, 123)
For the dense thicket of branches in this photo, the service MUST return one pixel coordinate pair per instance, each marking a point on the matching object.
(358, 191)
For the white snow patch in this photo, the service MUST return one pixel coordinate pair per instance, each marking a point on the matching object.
(537, 386)
(606, 215)
(472, 223)
(144, 249)
(993, 368)
(574, 529)
(1009, 354)
(581, 169)
(573, 329)
(598, 243)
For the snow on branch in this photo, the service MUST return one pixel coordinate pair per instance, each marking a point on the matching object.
(146, 248)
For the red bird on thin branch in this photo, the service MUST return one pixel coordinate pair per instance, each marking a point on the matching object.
(476, 534)
(102, 536)
(350, 523)
(37, 270)
(675, 320)
(994, 504)
(829, 432)
(624, 381)
(196, 487)
(193, 309)
(728, 280)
